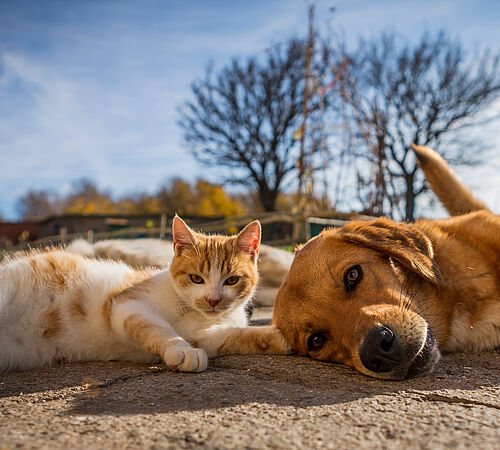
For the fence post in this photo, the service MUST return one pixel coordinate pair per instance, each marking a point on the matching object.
(63, 233)
(163, 226)
(296, 230)
(307, 230)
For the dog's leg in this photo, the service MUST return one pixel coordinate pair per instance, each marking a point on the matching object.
(219, 341)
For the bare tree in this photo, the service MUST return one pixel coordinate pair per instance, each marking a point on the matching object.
(244, 118)
(400, 93)
(39, 204)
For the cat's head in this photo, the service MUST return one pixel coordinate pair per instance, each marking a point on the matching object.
(215, 274)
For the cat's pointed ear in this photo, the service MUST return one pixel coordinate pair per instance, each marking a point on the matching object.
(248, 239)
(183, 236)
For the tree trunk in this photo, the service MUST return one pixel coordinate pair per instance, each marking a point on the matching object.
(268, 199)
(410, 198)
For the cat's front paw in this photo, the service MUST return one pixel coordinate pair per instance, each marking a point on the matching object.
(182, 357)
(271, 341)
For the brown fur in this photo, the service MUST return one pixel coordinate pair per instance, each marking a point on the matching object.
(434, 277)
(252, 340)
(149, 335)
(52, 271)
(457, 198)
(77, 306)
(52, 320)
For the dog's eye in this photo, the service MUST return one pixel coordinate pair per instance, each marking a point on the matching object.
(315, 341)
(196, 279)
(352, 277)
(231, 281)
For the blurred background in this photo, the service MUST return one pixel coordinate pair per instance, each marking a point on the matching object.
(118, 114)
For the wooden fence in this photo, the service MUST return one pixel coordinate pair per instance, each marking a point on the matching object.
(304, 227)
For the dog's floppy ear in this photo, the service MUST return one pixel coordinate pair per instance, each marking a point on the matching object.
(403, 242)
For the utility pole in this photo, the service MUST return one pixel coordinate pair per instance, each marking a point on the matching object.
(303, 160)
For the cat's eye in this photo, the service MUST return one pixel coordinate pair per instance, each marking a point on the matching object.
(231, 281)
(352, 277)
(315, 341)
(196, 279)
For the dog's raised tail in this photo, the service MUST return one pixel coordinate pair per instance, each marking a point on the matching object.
(453, 194)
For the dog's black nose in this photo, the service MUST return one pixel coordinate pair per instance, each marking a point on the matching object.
(381, 351)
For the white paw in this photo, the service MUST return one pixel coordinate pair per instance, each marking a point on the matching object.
(184, 358)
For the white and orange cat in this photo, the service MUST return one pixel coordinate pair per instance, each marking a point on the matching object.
(56, 306)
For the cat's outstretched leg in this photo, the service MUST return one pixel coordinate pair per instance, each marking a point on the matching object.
(137, 321)
(268, 340)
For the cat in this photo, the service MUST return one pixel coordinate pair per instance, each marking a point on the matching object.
(56, 306)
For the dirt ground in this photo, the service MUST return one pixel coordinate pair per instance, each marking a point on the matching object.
(251, 402)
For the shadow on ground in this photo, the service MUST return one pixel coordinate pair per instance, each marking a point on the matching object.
(123, 388)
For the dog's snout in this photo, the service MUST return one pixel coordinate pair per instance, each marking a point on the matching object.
(381, 350)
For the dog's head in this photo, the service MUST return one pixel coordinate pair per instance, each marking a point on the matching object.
(352, 296)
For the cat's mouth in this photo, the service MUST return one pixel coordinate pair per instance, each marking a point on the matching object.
(212, 311)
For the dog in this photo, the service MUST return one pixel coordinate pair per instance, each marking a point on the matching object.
(273, 263)
(386, 297)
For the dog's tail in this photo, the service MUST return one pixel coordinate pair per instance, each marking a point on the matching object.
(455, 195)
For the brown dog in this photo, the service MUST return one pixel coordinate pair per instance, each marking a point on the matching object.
(384, 296)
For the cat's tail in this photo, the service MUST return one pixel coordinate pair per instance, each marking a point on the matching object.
(81, 247)
(451, 191)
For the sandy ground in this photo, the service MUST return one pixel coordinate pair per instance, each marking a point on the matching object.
(251, 402)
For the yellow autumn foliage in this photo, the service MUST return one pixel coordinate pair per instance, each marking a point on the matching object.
(201, 198)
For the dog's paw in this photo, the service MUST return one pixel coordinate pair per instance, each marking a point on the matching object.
(272, 342)
(180, 356)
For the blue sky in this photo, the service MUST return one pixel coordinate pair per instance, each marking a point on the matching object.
(90, 88)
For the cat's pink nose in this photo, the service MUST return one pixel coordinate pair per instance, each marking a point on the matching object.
(213, 302)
